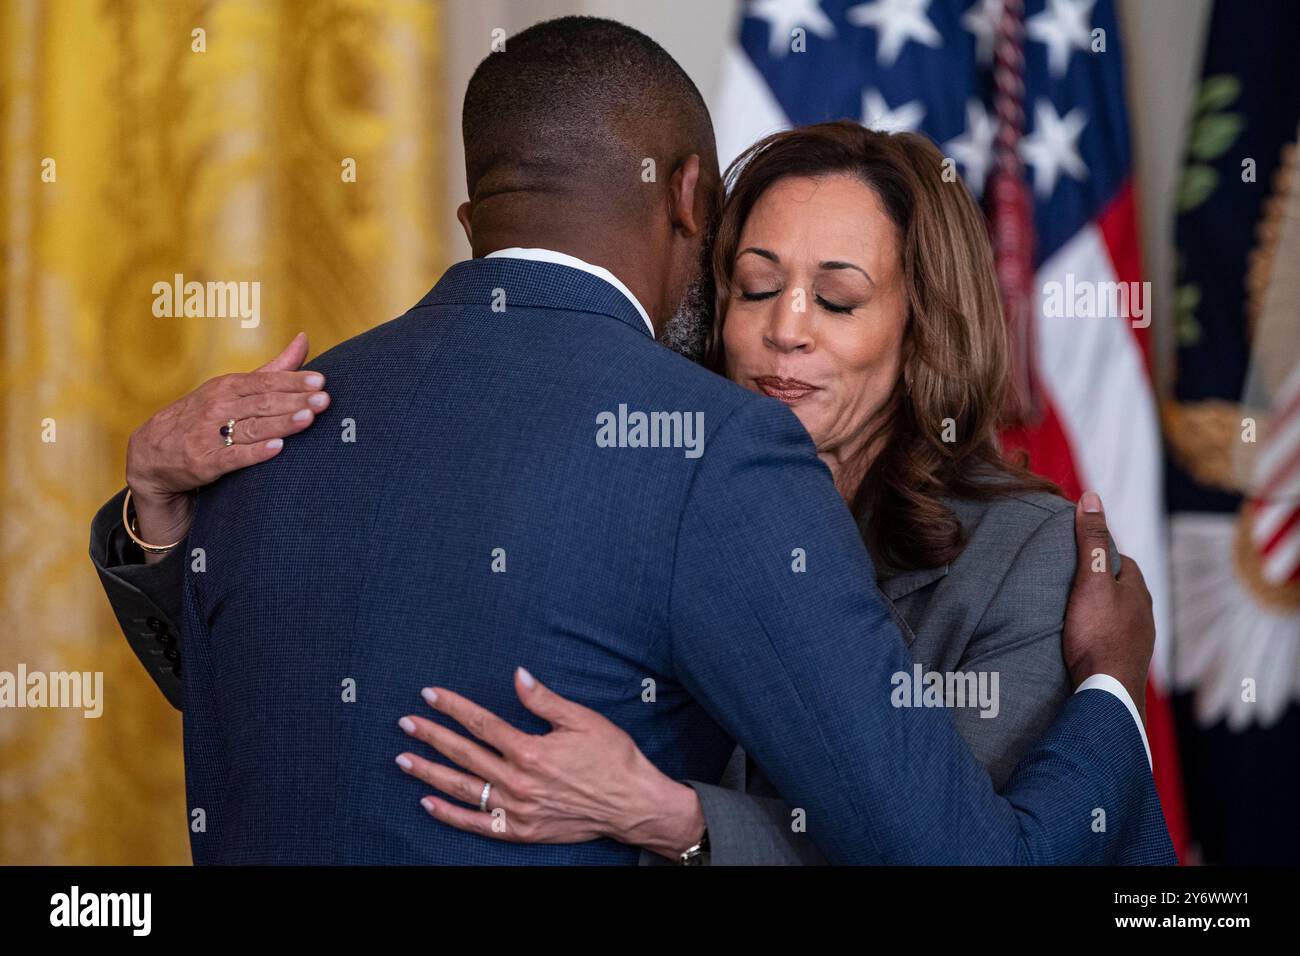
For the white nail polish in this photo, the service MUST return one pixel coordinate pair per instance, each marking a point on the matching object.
(430, 695)
(405, 763)
(302, 415)
(526, 678)
(407, 724)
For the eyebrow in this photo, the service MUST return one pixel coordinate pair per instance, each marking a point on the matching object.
(832, 264)
(835, 264)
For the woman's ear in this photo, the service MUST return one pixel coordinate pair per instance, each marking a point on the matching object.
(463, 213)
(683, 196)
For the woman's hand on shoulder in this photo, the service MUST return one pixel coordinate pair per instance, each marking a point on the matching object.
(182, 447)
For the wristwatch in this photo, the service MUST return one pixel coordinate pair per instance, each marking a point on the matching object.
(695, 855)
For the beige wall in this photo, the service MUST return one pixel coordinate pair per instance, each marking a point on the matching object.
(1162, 40)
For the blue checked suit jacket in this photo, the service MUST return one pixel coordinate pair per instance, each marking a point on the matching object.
(655, 587)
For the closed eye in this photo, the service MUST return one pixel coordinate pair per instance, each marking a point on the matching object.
(832, 307)
(758, 296)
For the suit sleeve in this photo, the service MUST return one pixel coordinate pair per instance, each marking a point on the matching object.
(778, 631)
(748, 830)
(146, 598)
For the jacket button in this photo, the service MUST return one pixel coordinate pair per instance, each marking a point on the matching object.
(154, 625)
(171, 653)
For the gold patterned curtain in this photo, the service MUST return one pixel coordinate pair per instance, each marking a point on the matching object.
(292, 144)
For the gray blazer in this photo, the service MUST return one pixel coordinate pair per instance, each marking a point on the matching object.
(998, 609)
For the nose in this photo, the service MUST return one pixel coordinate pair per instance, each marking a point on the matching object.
(788, 327)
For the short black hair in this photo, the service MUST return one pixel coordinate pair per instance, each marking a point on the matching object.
(579, 100)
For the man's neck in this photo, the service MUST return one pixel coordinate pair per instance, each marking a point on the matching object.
(560, 258)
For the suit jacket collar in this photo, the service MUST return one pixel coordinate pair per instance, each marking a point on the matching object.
(904, 583)
(895, 586)
(898, 584)
(532, 284)
(564, 259)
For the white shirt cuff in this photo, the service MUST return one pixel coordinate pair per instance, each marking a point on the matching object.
(1107, 683)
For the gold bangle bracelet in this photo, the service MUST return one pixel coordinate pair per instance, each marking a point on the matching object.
(128, 522)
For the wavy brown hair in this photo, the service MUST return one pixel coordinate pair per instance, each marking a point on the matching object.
(954, 344)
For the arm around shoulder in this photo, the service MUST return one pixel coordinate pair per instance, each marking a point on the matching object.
(794, 658)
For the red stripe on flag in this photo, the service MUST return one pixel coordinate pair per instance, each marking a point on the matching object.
(1119, 231)
(1162, 735)
(1281, 532)
(1046, 449)
(1118, 225)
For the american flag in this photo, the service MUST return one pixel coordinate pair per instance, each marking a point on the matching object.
(1027, 97)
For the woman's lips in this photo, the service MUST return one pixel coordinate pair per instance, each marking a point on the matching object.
(788, 390)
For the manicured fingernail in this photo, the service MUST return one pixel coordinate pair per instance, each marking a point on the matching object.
(430, 695)
(275, 443)
(314, 380)
(404, 762)
(407, 724)
(1091, 503)
(427, 803)
(318, 400)
(302, 415)
(526, 678)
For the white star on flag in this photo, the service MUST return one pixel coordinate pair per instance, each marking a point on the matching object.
(895, 22)
(974, 148)
(783, 16)
(982, 20)
(1063, 27)
(1053, 147)
(877, 115)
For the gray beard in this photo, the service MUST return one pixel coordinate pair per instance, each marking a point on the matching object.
(687, 332)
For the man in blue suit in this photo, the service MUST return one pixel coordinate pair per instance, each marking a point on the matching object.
(516, 472)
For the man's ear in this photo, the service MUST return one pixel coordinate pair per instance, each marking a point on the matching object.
(683, 195)
(462, 213)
